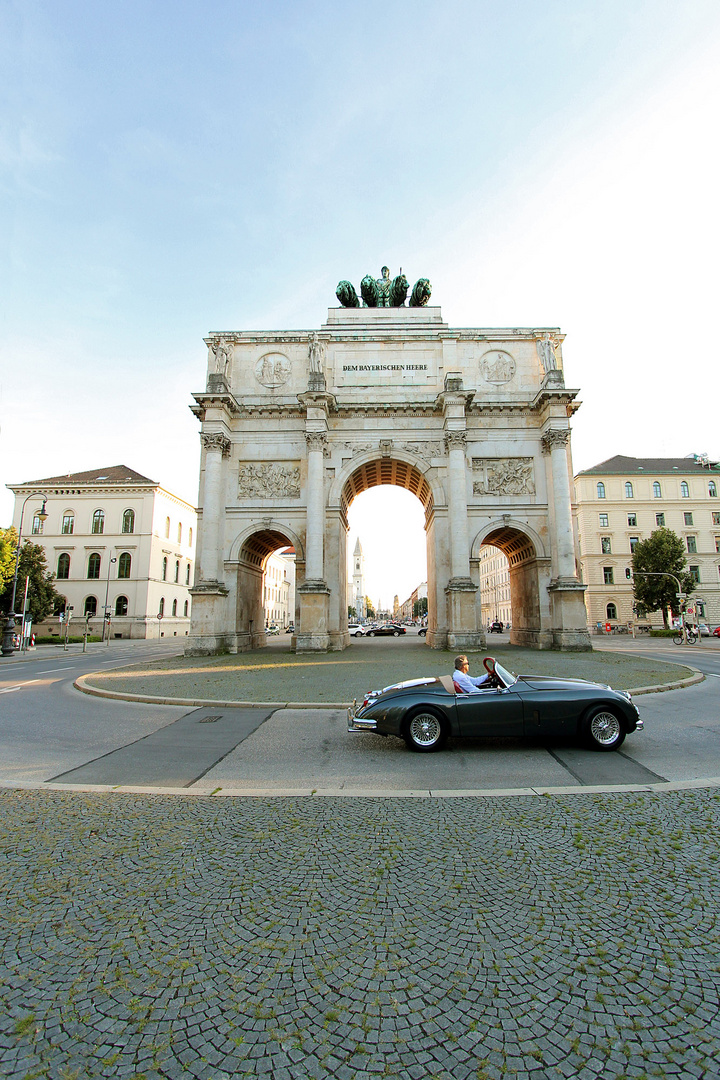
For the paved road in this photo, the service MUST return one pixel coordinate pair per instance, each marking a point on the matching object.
(50, 731)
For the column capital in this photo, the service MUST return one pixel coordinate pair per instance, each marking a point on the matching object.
(555, 437)
(455, 439)
(215, 440)
(317, 440)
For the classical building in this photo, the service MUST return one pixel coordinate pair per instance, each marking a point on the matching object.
(117, 543)
(407, 608)
(279, 589)
(495, 585)
(474, 422)
(622, 501)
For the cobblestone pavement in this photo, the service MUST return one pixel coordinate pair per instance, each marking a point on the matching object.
(161, 937)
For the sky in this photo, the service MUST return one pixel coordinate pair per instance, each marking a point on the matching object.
(170, 169)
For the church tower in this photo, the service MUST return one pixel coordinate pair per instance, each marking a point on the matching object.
(358, 585)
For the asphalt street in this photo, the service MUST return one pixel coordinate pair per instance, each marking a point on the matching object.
(50, 732)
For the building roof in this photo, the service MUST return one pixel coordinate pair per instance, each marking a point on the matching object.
(624, 466)
(114, 474)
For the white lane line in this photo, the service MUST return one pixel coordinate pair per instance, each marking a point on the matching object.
(712, 675)
(11, 689)
(52, 670)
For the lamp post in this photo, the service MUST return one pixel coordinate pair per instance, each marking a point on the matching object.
(8, 629)
(105, 608)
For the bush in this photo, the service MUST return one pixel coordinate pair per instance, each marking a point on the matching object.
(58, 639)
(663, 633)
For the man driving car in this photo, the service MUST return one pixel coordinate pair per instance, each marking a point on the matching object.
(465, 682)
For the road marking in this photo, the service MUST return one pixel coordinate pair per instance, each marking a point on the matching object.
(10, 689)
(51, 670)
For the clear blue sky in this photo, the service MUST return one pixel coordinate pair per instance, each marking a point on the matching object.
(174, 168)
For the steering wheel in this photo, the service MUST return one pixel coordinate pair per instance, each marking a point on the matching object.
(489, 665)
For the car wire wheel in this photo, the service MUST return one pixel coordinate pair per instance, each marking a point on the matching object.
(425, 732)
(605, 732)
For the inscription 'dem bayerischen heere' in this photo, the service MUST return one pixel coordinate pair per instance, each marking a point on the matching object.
(384, 367)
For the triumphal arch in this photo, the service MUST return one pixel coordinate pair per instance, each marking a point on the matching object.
(474, 422)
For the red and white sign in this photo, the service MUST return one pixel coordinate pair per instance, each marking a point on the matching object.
(608, 627)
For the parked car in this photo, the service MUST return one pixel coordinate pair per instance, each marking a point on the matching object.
(704, 629)
(271, 630)
(424, 712)
(290, 629)
(388, 630)
(716, 631)
(496, 627)
(422, 632)
(356, 629)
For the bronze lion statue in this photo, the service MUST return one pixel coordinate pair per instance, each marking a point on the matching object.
(346, 294)
(422, 290)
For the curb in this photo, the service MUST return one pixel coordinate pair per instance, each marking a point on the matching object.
(148, 699)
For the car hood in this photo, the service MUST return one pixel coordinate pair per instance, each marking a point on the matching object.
(548, 682)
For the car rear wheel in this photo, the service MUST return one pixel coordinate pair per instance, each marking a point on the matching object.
(603, 729)
(396, 633)
(425, 732)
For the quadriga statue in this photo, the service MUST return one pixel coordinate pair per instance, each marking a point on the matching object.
(384, 292)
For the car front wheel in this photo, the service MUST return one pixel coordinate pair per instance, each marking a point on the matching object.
(603, 729)
(425, 732)
(370, 633)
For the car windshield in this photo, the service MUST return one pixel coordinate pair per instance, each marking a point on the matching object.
(508, 678)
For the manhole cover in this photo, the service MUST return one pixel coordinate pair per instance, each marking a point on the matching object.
(209, 719)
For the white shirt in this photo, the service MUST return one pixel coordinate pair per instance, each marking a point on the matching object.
(467, 683)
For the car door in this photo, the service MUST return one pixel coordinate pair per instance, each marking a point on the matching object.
(490, 713)
(551, 712)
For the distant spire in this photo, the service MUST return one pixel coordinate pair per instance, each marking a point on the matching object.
(358, 548)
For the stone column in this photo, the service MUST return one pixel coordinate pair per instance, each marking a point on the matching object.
(568, 615)
(315, 528)
(457, 505)
(554, 443)
(217, 446)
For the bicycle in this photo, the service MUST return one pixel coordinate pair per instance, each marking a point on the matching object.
(692, 638)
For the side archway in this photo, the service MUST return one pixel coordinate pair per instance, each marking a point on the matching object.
(529, 566)
(249, 554)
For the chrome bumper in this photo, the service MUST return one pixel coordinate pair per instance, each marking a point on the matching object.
(639, 725)
(354, 724)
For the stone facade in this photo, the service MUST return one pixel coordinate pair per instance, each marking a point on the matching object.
(623, 500)
(295, 424)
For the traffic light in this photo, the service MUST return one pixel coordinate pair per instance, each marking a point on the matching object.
(628, 573)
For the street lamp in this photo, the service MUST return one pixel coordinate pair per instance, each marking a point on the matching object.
(105, 608)
(8, 629)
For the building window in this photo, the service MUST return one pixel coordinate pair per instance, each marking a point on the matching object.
(628, 490)
(608, 575)
(90, 605)
(174, 607)
(657, 491)
(177, 570)
(164, 568)
(601, 490)
(124, 565)
(94, 565)
(695, 574)
(187, 574)
(121, 605)
(185, 609)
(684, 491)
(128, 524)
(179, 532)
(605, 546)
(691, 545)
(716, 518)
(717, 545)
(167, 527)
(68, 524)
(634, 541)
(98, 521)
(63, 570)
(603, 521)
(37, 525)
(660, 521)
(161, 609)
(190, 538)
(632, 521)
(712, 489)
(611, 611)
(688, 518)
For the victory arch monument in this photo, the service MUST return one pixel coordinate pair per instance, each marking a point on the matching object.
(474, 422)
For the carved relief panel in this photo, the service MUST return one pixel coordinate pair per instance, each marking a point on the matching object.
(503, 476)
(268, 480)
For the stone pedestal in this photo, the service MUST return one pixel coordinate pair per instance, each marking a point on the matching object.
(210, 621)
(312, 635)
(569, 617)
(463, 633)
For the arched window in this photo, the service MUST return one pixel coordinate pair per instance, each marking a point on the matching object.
(94, 565)
(684, 491)
(187, 574)
(121, 605)
(177, 570)
(98, 521)
(37, 525)
(174, 607)
(611, 611)
(190, 538)
(628, 490)
(167, 527)
(185, 609)
(179, 532)
(68, 523)
(657, 490)
(124, 565)
(128, 525)
(164, 568)
(161, 609)
(63, 570)
(90, 605)
(601, 490)
(712, 489)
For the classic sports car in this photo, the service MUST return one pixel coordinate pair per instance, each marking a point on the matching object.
(424, 712)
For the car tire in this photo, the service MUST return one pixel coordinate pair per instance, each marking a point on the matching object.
(396, 633)
(370, 633)
(425, 731)
(603, 729)
(357, 633)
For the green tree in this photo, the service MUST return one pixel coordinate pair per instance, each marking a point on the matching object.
(43, 597)
(8, 547)
(352, 613)
(662, 553)
(420, 608)
(369, 608)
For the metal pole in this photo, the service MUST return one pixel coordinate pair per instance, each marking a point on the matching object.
(7, 639)
(105, 608)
